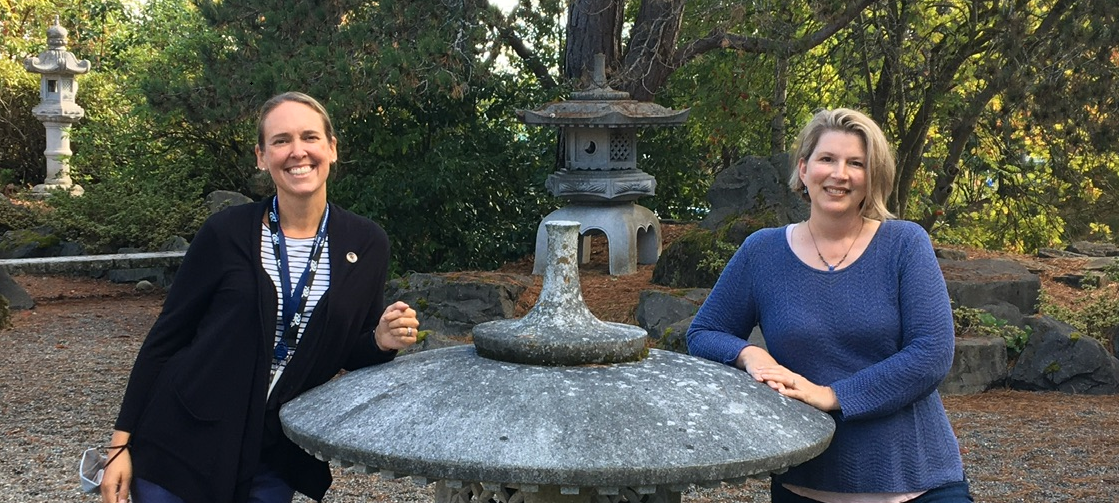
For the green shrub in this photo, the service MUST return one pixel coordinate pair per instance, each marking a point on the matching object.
(22, 136)
(20, 216)
(142, 183)
(129, 212)
(1111, 272)
(1094, 314)
(977, 322)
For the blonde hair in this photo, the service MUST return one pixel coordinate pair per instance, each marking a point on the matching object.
(880, 164)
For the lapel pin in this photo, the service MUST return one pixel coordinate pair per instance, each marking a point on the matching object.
(351, 257)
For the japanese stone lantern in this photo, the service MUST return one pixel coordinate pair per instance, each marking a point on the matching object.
(600, 178)
(556, 407)
(57, 108)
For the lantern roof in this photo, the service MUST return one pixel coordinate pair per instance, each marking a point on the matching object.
(602, 106)
(56, 59)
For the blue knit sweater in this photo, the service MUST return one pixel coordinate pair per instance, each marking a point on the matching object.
(879, 332)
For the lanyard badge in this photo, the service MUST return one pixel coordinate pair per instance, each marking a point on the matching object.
(295, 299)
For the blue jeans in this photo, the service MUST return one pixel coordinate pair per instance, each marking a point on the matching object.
(268, 487)
(956, 492)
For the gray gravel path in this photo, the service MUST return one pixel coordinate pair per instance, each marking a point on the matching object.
(64, 366)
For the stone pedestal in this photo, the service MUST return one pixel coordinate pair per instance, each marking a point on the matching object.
(633, 234)
(58, 165)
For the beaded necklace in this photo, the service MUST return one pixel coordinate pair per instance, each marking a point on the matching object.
(849, 248)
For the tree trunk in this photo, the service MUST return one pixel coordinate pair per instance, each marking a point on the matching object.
(652, 48)
(780, 94)
(593, 27)
(961, 132)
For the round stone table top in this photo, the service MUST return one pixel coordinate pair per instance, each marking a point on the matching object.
(448, 414)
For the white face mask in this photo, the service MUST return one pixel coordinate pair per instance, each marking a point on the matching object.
(91, 469)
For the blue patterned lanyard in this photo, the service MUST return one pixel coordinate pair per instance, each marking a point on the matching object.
(292, 313)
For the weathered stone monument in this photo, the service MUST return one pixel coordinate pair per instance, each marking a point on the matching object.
(57, 108)
(556, 406)
(600, 178)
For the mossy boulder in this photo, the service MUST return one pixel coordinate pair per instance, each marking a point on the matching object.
(15, 297)
(682, 264)
(1058, 358)
(30, 243)
(754, 185)
(449, 305)
(697, 258)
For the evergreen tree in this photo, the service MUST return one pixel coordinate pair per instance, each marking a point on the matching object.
(428, 136)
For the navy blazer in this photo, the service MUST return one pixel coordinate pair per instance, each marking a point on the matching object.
(196, 400)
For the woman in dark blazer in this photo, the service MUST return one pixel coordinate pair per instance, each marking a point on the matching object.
(271, 300)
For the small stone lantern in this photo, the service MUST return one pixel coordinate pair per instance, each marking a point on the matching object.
(600, 176)
(57, 109)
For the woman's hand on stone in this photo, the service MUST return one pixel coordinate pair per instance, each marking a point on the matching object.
(795, 386)
(398, 327)
(753, 358)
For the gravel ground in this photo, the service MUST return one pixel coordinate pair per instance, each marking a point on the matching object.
(65, 364)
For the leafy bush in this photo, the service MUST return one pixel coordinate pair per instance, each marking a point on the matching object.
(140, 212)
(682, 180)
(470, 201)
(1111, 272)
(1095, 314)
(977, 322)
(22, 136)
(20, 216)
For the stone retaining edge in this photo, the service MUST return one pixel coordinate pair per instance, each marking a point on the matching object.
(85, 263)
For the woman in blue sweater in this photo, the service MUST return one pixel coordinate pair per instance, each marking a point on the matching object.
(857, 323)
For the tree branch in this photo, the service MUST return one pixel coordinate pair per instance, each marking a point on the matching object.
(527, 55)
(719, 39)
(965, 124)
(495, 20)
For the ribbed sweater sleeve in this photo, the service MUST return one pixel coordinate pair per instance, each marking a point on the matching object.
(724, 321)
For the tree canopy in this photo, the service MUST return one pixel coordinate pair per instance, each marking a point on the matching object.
(1001, 110)
(955, 83)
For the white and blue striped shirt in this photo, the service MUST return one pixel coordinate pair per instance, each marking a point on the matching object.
(299, 252)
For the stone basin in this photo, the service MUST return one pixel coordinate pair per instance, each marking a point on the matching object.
(449, 414)
(556, 407)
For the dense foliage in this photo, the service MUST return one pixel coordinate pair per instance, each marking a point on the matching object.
(1002, 110)
(22, 137)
